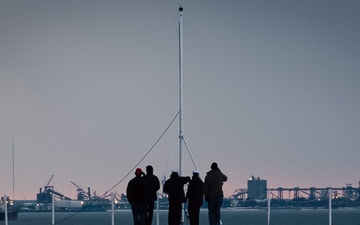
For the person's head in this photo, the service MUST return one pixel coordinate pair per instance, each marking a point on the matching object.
(196, 173)
(149, 169)
(174, 173)
(214, 166)
(138, 172)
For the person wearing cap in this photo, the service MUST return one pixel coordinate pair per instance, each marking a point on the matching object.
(151, 195)
(213, 192)
(195, 195)
(174, 187)
(136, 195)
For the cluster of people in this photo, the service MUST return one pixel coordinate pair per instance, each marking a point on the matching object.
(141, 193)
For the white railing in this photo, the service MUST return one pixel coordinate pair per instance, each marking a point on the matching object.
(269, 206)
(330, 195)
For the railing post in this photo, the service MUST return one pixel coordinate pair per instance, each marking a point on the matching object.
(268, 197)
(330, 206)
(112, 208)
(157, 208)
(6, 210)
(53, 207)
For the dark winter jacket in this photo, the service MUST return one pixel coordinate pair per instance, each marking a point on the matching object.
(195, 191)
(136, 189)
(153, 186)
(214, 181)
(174, 187)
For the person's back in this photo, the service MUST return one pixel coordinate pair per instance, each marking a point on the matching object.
(153, 184)
(136, 191)
(174, 187)
(195, 196)
(214, 181)
(195, 190)
(151, 195)
(136, 194)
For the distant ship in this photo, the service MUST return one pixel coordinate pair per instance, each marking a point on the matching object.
(12, 212)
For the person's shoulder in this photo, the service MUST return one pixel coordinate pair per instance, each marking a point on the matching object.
(223, 174)
(212, 172)
(199, 180)
(131, 181)
(154, 177)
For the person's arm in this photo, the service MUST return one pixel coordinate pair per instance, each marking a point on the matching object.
(206, 189)
(165, 188)
(129, 193)
(224, 177)
(157, 187)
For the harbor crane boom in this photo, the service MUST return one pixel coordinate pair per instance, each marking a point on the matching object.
(81, 194)
(49, 181)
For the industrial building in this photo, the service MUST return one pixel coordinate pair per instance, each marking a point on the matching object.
(256, 188)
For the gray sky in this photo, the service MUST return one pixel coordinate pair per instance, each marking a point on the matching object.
(271, 89)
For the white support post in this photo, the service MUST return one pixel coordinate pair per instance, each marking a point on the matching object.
(53, 207)
(330, 206)
(268, 197)
(157, 208)
(6, 210)
(112, 209)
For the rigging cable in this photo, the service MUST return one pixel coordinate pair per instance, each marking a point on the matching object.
(104, 195)
(152, 147)
(163, 175)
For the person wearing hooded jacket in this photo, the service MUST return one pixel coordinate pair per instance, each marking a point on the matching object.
(151, 195)
(213, 192)
(136, 195)
(174, 187)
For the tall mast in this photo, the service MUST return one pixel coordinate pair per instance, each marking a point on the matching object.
(181, 135)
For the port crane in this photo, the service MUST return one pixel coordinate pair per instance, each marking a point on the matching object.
(45, 196)
(81, 194)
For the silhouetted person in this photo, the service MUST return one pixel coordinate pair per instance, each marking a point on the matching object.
(214, 181)
(136, 194)
(174, 187)
(151, 195)
(195, 195)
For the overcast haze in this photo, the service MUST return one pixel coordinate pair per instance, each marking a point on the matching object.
(271, 89)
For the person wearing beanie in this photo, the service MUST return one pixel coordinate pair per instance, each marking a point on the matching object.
(151, 195)
(213, 192)
(174, 187)
(214, 166)
(195, 195)
(136, 195)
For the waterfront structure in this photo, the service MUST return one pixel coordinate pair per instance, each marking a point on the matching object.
(256, 188)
